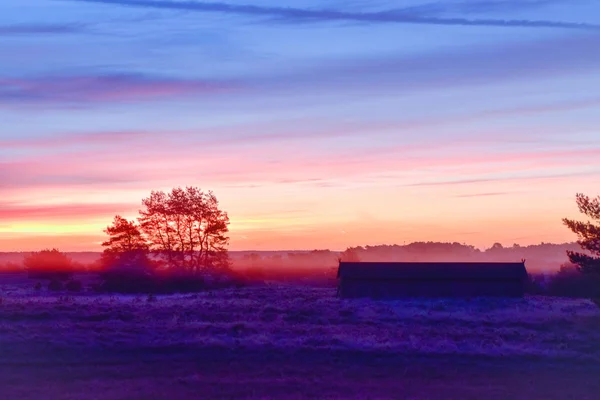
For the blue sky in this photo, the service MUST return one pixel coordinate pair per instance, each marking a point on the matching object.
(311, 120)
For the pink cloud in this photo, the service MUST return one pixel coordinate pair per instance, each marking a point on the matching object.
(102, 88)
(488, 194)
(21, 212)
(499, 179)
(260, 133)
(69, 242)
(161, 162)
(74, 139)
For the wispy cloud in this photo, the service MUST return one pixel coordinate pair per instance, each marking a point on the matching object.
(478, 7)
(462, 66)
(298, 129)
(530, 177)
(42, 29)
(406, 16)
(74, 90)
(64, 140)
(483, 194)
(157, 162)
(21, 212)
(65, 242)
(475, 65)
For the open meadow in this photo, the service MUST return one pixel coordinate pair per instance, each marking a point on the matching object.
(294, 342)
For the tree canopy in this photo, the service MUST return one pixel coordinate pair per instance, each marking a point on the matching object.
(126, 246)
(588, 233)
(185, 228)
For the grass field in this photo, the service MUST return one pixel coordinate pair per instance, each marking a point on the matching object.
(294, 342)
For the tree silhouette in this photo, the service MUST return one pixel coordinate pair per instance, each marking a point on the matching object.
(48, 264)
(588, 235)
(126, 246)
(349, 255)
(186, 228)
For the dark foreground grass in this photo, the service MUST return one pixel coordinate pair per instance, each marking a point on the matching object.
(218, 373)
(295, 343)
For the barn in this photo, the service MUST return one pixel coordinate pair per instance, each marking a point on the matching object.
(389, 280)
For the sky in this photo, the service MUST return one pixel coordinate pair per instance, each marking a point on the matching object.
(317, 124)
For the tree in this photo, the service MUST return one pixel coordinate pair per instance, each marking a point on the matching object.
(186, 228)
(125, 263)
(350, 255)
(48, 264)
(588, 233)
(126, 246)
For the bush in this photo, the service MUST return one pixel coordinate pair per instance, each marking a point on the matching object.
(55, 285)
(127, 281)
(48, 265)
(567, 282)
(137, 281)
(95, 287)
(535, 285)
(74, 286)
(38, 286)
(570, 282)
(180, 283)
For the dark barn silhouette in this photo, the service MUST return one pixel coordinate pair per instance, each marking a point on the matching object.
(389, 280)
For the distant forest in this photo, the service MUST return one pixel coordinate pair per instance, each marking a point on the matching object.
(544, 257)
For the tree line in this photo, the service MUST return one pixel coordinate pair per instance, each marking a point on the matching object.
(182, 236)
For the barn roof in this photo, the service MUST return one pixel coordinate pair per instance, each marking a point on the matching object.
(432, 270)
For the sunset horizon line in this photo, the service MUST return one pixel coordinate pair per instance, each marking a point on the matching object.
(308, 250)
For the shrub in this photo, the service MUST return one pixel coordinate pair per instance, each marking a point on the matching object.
(180, 282)
(48, 264)
(74, 286)
(55, 285)
(164, 282)
(128, 272)
(570, 282)
(38, 286)
(122, 275)
(535, 285)
(95, 287)
(128, 281)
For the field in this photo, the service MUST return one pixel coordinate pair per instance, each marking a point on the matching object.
(294, 342)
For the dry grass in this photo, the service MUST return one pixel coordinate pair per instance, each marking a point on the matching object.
(294, 343)
(306, 318)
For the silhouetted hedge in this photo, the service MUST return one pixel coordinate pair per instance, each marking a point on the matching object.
(74, 286)
(136, 281)
(55, 285)
(567, 282)
(127, 281)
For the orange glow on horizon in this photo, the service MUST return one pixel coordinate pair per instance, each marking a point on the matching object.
(459, 191)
